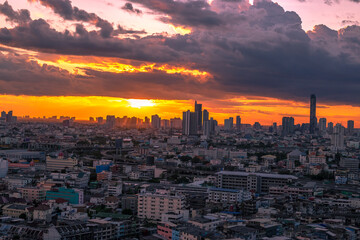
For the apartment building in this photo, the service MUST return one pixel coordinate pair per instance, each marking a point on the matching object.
(153, 205)
(33, 193)
(254, 182)
(223, 195)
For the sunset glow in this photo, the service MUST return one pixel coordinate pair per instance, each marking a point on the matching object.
(145, 57)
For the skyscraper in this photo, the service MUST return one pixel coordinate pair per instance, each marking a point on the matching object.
(238, 123)
(205, 116)
(189, 123)
(313, 120)
(110, 121)
(287, 126)
(322, 125)
(229, 124)
(155, 121)
(198, 111)
(337, 139)
(350, 127)
(330, 127)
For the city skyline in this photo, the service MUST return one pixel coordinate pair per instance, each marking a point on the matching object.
(194, 121)
(125, 50)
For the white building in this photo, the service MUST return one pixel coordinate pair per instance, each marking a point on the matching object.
(60, 163)
(222, 195)
(114, 188)
(153, 205)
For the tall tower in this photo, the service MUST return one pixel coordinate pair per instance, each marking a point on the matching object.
(238, 123)
(205, 116)
(189, 123)
(313, 120)
(350, 127)
(198, 111)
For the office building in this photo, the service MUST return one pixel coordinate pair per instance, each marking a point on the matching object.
(330, 127)
(254, 182)
(322, 125)
(337, 138)
(100, 120)
(205, 116)
(110, 121)
(175, 123)
(155, 121)
(313, 120)
(189, 123)
(350, 127)
(238, 123)
(198, 112)
(287, 126)
(229, 124)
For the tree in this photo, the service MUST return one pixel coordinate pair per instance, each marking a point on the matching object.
(127, 211)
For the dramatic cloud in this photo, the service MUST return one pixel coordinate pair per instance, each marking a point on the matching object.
(183, 13)
(21, 16)
(258, 50)
(19, 75)
(129, 7)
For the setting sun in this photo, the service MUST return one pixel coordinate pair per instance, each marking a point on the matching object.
(139, 103)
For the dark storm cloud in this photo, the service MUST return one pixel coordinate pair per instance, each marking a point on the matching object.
(65, 9)
(184, 13)
(19, 75)
(39, 36)
(130, 8)
(260, 50)
(21, 16)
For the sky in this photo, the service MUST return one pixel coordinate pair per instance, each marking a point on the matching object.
(259, 59)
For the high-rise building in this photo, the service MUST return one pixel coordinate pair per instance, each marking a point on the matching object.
(155, 121)
(337, 138)
(165, 123)
(238, 123)
(330, 127)
(198, 111)
(189, 123)
(147, 121)
(110, 121)
(275, 127)
(100, 120)
(257, 126)
(229, 124)
(207, 129)
(322, 125)
(313, 120)
(205, 116)
(175, 123)
(350, 127)
(287, 126)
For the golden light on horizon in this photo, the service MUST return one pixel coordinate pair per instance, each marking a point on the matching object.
(136, 103)
(264, 110)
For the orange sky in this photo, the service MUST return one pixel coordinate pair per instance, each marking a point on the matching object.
(251, 109)
(264, 110)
